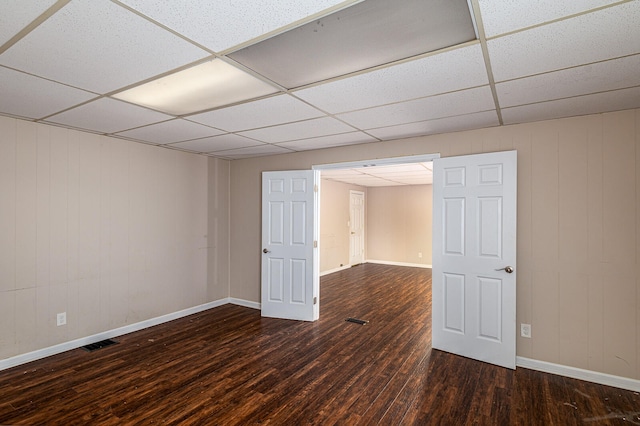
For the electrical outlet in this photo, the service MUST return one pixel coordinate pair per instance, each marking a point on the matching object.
(419, 255)
(61, 319)
(525, 330)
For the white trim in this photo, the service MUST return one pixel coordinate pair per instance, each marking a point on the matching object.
(331, 271)
(387, 262)
(245, 303)
(77, 343)
(378, 162)
(579, 373)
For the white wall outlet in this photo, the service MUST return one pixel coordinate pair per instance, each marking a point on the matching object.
(61, 318)
(419, 255)
(525, 330)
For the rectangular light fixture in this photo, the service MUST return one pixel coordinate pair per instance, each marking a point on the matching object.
(211, 84)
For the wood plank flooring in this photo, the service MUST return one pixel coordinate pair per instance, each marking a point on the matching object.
(229, 366)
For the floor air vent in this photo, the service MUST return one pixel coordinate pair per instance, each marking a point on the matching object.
(99, 345)
(357, 321)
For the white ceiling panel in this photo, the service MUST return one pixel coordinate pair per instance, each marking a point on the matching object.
(253, 151)
(32, 97)
(13, 19)
(394, 169)
(218, 143)
(503, 16)
(108, 116)
(443, 125)
(599, 77)
(450, 104)
(598, 36)
(581, 105)
(300, 130)
(171, 131)
(99, 46)
(220, 25)
(449, 71)
(262, 113)
(415, 180)
(329, 141)
(366, 180)
(339, 173)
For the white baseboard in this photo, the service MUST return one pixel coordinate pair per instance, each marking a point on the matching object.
(331, 271)
(245, 303)
(386, 262)
(578, 373)
(77, 343)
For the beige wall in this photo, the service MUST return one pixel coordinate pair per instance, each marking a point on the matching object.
(334, 218)
(399, 224)
(218, 230)
(108, 231)
(578, 233)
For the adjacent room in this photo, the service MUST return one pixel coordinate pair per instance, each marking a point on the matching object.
(140, 141)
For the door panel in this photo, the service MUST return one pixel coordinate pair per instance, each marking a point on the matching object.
(290, 275)
(356, 227)
(474, 238)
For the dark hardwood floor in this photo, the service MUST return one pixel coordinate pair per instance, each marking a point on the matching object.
(229, 366)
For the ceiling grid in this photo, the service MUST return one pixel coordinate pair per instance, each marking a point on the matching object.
(331, 73)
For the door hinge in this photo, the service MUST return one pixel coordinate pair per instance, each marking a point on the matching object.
(315, 244)
(315, 300)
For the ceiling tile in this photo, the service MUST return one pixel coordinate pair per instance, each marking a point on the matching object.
(32, 97)
(503, 16)
(450, 104)
(447, 72)
(415, 180)
(581, 105)
(103, 47)
(13, 19)
(254, 151)
(300, 130)
(599, 77)
(171, 131)
(362, 36)
(597, 36)
(108, 116)
(329, 141)
(262, 113)
(394, 169)
(339, 173)
(220, 25)
(218, 143)
(443, 125)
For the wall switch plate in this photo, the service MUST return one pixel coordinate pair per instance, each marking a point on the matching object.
(420, 255)
(525, 330)
(61, 319)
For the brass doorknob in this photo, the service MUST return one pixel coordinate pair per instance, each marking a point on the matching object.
(507, 269)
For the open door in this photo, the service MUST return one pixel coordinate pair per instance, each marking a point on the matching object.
(290, 267)
(474, 256)
(356, 227)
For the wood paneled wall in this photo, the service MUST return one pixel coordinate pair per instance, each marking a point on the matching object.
(110, 232)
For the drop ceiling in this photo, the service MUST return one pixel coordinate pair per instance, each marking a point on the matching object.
(329, 73)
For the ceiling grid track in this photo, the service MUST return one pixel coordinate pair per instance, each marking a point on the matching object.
(487, 60)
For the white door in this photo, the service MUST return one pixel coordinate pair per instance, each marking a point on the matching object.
(474, 256)
(356, 227)
(290, 267)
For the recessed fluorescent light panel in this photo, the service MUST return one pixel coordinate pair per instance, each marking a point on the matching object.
(205, 86)
(365, 35)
